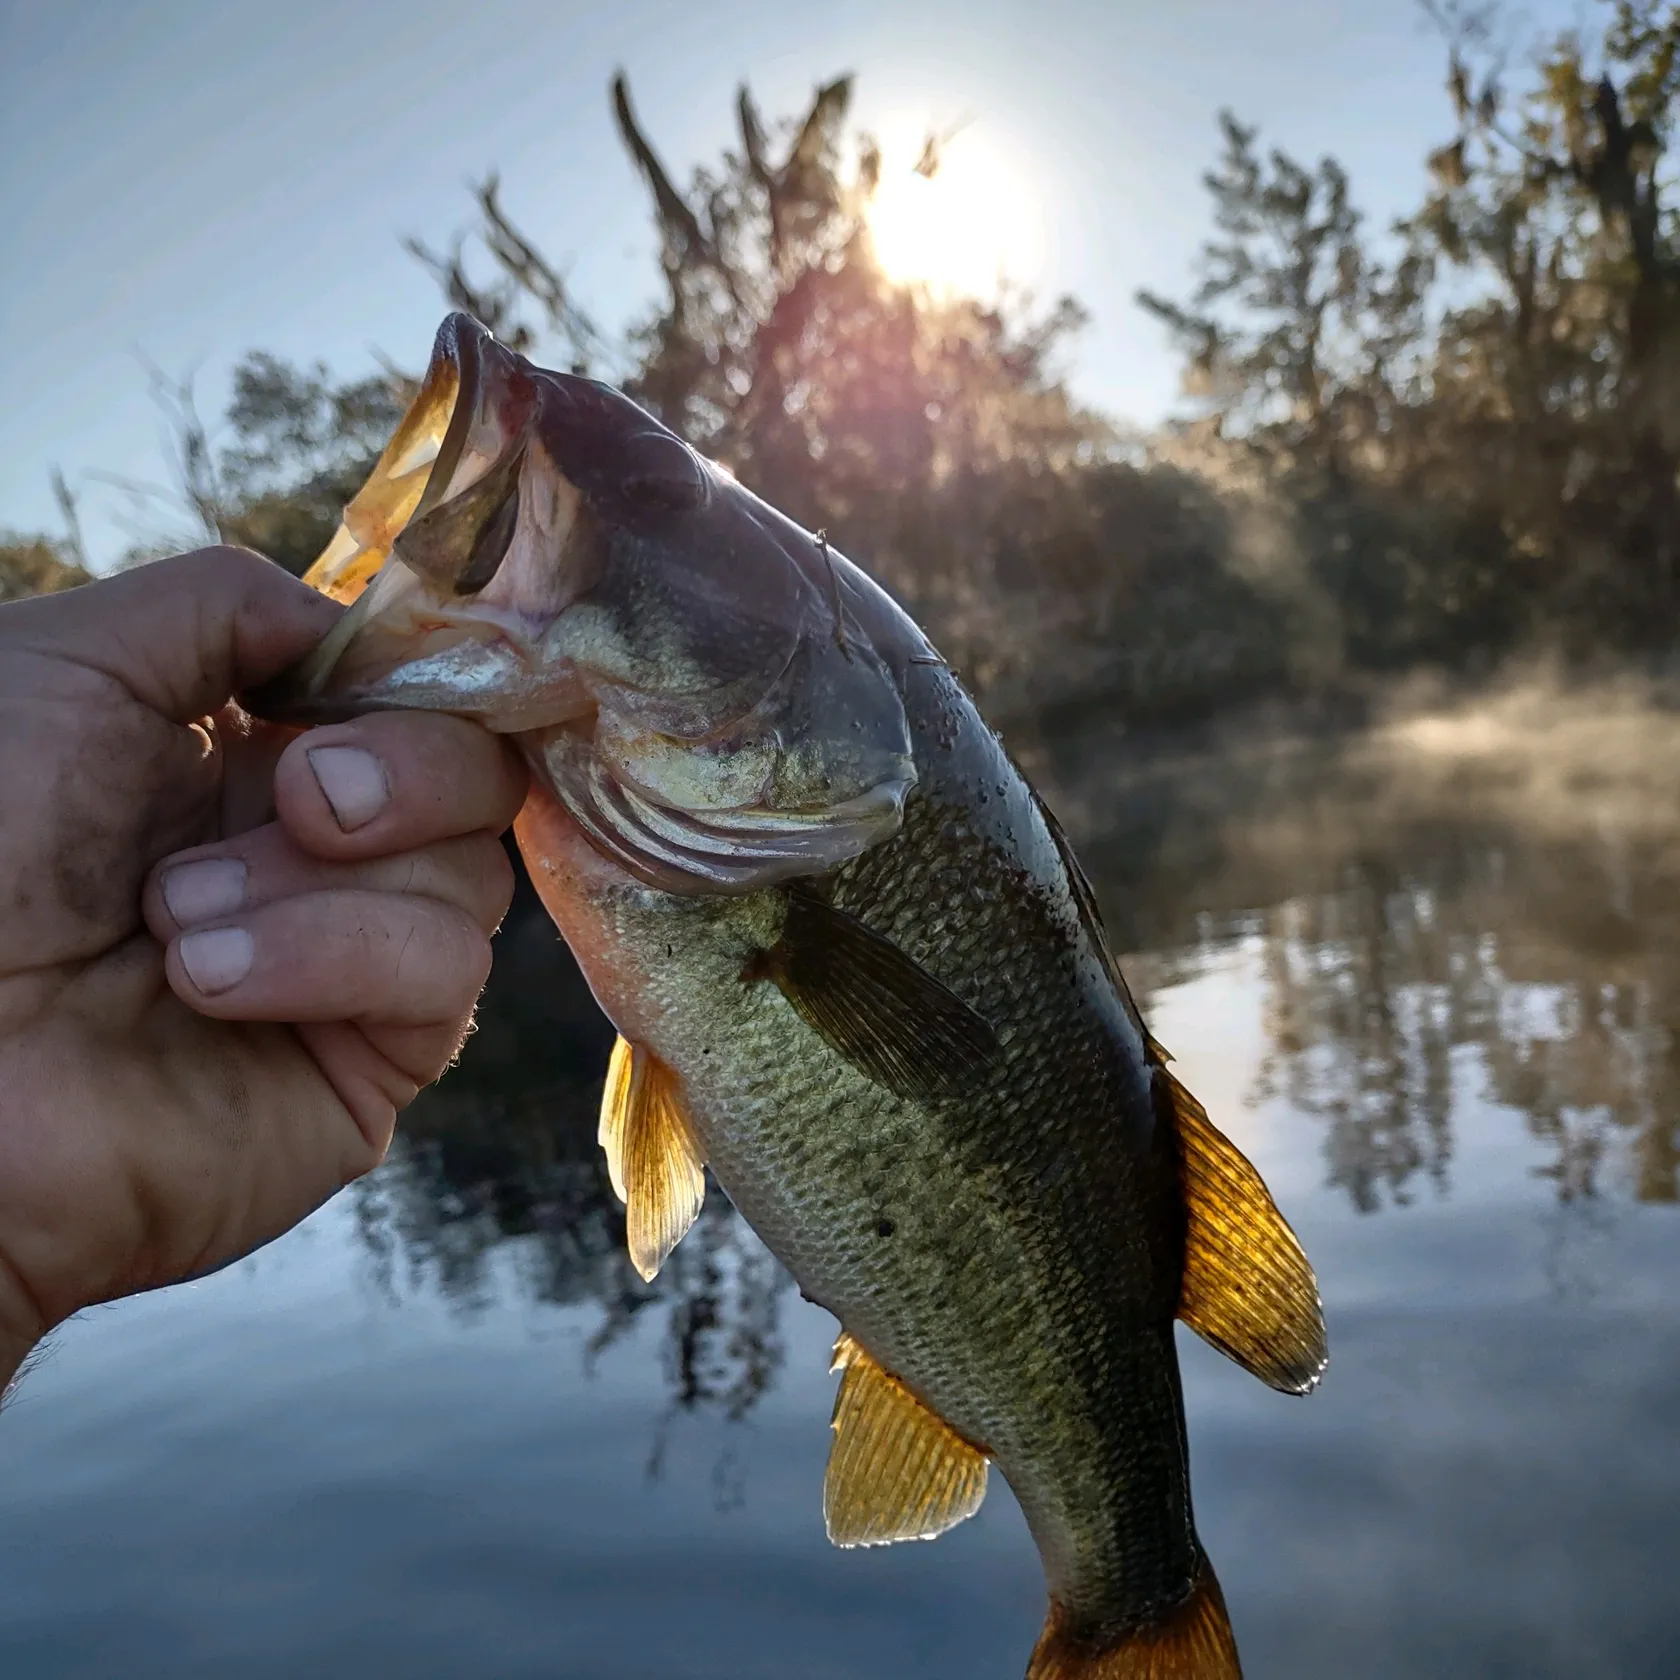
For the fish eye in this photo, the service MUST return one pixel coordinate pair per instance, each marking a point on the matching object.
(664, 475)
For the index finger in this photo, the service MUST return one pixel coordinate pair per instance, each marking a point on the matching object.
(394, 781)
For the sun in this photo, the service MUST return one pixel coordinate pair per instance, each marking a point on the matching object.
(965, 230)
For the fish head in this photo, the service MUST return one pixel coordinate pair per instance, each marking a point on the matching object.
(712, 692)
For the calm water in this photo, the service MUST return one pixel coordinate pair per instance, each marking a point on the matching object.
(1429, 982)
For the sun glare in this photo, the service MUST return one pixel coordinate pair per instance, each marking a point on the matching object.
(968, 228)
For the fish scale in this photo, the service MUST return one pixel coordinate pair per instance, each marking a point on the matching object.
(1013, 1289)
(853, 964)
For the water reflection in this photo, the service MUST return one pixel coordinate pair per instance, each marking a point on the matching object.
(1437, 960)
(1373, 992)
(1440, 911)
(1472, 903)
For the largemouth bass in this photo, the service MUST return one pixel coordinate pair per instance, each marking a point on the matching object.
(855, 969)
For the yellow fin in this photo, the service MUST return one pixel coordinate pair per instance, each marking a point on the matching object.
(615, 1096)
(1248, 1288)
(424, 447)
(896, 1470)
(653, 1156)
(1191, 1642)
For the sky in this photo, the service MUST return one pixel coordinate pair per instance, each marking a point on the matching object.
(186, 180)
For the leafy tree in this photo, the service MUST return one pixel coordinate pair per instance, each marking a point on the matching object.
(1433, 443)
(302, 448)
(35, 565)
(1563, 373)
(1274, 330)
(933, 439)
(1478, 435)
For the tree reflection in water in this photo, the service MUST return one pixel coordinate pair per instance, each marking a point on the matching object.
(1549, 955)
(1476, 903)
(1483, 905)
(1375, 990)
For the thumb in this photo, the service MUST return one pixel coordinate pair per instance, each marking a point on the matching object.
(182, 634)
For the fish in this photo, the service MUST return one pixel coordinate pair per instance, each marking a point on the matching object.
(855, 969)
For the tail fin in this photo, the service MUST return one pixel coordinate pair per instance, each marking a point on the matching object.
(1191, 1642)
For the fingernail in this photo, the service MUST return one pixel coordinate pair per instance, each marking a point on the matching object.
(217, 958)
(194, 892)
(354, 783)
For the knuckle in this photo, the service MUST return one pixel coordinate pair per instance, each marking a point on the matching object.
(473, 956)
(372, 1129)
(474, 872)
(473, 967)
(226, 566)
(483, 958)
(437, 959)
(496, 873)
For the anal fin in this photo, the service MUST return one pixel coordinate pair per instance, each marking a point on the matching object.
(1191, 1641)
(653, 1156)
(1248, 1288)
(896, 1470)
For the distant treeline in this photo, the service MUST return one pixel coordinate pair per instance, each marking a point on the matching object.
(1448, 443)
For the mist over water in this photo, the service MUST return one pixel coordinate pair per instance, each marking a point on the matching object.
(1423, 972)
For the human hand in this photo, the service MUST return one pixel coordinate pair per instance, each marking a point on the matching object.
(215, 993)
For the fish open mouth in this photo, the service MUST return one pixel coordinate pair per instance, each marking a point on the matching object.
(428, 528)
(534, 552)
(453, 433)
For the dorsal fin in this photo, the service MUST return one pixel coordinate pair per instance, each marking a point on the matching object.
(1248, 1288)
(1090, 915)
(653, 1156)
(896, 1470)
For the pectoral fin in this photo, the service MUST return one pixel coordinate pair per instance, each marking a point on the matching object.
(896, 1470)
(1248, 1288)
(878, 1007)
(653, 1156)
